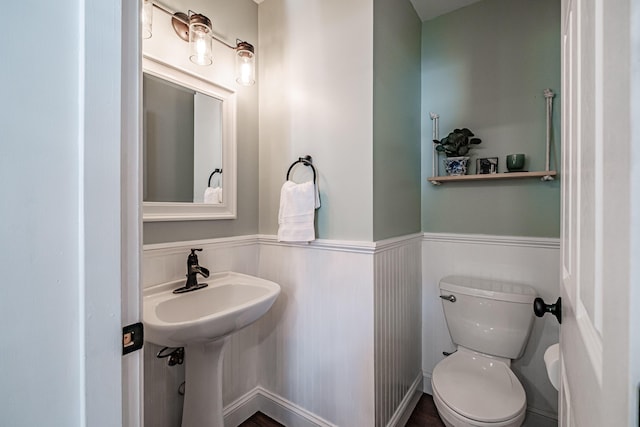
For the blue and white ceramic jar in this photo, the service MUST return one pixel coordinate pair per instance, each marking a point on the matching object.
(455, 166)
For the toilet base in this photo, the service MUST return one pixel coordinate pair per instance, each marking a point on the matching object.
(450, 418)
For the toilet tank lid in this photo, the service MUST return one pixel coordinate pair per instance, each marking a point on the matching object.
(488, 288)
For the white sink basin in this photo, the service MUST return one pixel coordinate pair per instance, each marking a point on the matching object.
(201, 322)
(230, 302)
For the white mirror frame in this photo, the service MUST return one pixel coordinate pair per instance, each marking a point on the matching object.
(180, 211)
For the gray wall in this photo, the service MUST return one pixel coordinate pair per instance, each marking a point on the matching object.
(231, 19)
(484, 67)
(396, 119)
(167, 113)
(316, 80)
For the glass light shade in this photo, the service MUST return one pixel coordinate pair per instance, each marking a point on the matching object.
(147, 18)
(245, 65)
(200, 40)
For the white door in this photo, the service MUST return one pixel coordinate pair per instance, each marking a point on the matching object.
(131, 233)
(598, 336)
(111, 215)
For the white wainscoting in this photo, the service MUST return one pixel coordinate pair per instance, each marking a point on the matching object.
(318, 352)
(534, 261)
(397, 326)
(311, 359)
(164, 262)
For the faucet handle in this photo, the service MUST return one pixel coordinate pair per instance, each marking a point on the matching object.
(193, 258)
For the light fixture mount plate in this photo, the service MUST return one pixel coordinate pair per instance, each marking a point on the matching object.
(180, 26)
(244, 46)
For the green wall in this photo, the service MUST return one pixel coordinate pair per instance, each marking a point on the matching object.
(396, 119)
(485, 67)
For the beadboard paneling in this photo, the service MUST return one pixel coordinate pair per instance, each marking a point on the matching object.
(165, 262)
(397, 325)
(162, 403)
(534, 261)
(318, 338)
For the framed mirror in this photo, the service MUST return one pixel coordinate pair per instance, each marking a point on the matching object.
(189, 146)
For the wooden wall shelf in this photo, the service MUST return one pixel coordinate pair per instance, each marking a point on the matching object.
(543, 175)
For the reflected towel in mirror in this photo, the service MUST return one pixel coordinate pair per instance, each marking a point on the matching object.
(213, 196)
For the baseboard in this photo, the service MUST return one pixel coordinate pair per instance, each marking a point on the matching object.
(292, 415)
(242, 408)
(539, 418)
(408, 404)
(426, 383)
(272, 405)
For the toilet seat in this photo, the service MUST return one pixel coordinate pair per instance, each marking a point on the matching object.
(451, 418)
(479, 389)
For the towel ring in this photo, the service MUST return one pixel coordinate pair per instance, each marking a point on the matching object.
(215, 171)
(306, 160)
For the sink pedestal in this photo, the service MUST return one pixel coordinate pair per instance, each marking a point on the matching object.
(203, 384)
(201, 322)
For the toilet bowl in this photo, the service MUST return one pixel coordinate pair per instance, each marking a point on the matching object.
(490, 322)
(473, 390)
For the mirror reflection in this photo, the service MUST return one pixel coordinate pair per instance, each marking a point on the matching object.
(182, 140)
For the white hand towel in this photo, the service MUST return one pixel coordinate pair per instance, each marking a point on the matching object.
(297, 212)
(317, 200)
(213, 196)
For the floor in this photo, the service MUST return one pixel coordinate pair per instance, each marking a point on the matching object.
(425, 415)
(260, 420)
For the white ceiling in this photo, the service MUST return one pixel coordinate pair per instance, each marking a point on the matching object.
(429, 9)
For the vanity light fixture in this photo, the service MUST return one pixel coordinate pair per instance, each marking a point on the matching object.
(245, 64)
(200, 49)
(196, 29)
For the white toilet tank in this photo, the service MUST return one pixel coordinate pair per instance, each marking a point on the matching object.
(488, 316)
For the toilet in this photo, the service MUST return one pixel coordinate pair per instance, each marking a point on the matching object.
(490, 322)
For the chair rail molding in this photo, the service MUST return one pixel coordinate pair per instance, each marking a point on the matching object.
(488, 239)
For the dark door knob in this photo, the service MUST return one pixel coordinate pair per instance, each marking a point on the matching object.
(540, 308)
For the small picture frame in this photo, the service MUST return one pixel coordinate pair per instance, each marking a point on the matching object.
(487, 165)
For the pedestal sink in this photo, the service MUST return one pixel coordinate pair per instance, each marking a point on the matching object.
(202, 321)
